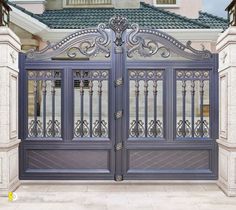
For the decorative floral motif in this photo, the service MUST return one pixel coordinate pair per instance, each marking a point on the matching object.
(44, 75)
(192, 75)
(53, 128)
(200, 129)
(100, 129)
(118, 24)
(183, 129)
(88, 42)
(136, 129)
(35, 129)
(148, 42)
(155, 129)
(81, 129)
(146, 75)
(91, 75)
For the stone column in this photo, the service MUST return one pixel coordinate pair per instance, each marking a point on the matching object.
(226, 46)
(9, 142)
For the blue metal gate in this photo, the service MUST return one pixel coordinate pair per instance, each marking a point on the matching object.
(148, 110)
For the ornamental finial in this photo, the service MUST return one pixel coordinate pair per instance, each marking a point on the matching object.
(118, 24)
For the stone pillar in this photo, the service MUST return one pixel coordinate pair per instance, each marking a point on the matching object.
(226, 46)
(9, 163)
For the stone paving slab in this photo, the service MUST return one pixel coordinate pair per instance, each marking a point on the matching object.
(122, 197)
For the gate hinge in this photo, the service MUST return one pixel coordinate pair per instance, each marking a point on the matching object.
(119, 178)
(119, 114)
(119, 146)
(119, 82)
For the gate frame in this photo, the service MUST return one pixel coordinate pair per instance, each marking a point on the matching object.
(137, 43)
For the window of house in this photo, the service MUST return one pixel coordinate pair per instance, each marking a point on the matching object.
(86, 2)
(165, 1)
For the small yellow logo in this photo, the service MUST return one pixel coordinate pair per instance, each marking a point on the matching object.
(12, 196)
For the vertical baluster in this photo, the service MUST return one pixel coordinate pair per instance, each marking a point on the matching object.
(201, 106)
(35, 107)
(91, 108)
(146, 107)
(44, 91)
(184, 108)
(100, 108)
(53, 92)
(137, 107)
(82, 104)
(193, 105)
(155, 107)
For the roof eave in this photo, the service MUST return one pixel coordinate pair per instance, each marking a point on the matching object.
(27, 22)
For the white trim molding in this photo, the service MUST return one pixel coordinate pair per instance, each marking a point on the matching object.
(28, 1)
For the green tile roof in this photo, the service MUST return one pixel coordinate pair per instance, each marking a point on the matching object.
(146, 16)
(212, 20)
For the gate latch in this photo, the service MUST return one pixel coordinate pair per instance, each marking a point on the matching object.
(119, 82)
(118, 114)
(119, 146)
(119, 178)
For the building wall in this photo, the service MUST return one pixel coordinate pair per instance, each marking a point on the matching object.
(188, 8)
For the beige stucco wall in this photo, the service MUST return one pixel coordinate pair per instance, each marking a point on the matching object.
(54, 4)
(188, 8)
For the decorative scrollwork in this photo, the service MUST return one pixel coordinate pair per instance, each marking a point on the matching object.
(136, 129)
(35, 129)
(81, 129)
(192, 75)
(88, 42)
(118, 24)
(91, 75)
(53, 128)
(148, 42)
(146, 75)
(202, 129)
(155, 129)
(144, 47)
(183, 129)
(44, 75)
(100, 129)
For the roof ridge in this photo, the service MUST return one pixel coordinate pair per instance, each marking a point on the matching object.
(214, 16)
(174, 14)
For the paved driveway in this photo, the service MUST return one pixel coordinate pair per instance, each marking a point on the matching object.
(119, 196)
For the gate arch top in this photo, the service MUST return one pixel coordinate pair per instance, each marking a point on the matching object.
(145, 42)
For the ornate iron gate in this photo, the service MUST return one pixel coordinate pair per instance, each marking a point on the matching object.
(148, 110)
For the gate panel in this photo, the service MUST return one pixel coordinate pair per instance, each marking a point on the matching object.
(125, 117)
(67, 97)
(178, 153)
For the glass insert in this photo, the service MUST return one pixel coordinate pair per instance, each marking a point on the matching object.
(146, 103)
(44, 104)
(192, 104)
(91, 103)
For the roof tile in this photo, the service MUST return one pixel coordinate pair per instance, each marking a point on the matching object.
(146, 16)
